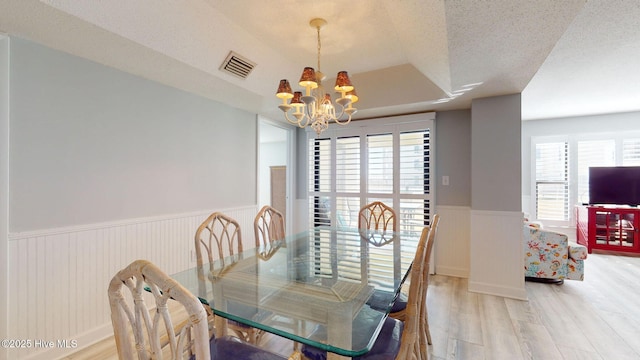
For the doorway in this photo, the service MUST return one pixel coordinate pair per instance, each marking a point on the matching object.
(275, 167)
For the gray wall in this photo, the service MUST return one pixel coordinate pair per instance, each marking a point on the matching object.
(496, 153)
(453, 157)
(4, 187)
(302, 166)
(92, 144)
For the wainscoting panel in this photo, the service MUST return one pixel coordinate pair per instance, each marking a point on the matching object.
(58, 278)
(451, 249)
(497, 264)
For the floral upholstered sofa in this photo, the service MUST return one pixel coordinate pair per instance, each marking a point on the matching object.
(548, 255)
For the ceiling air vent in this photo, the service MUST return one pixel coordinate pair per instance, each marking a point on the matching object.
(237, 65)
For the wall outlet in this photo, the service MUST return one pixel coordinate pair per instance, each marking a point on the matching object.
(445, 180)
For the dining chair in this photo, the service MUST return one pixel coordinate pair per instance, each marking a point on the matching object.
(397, 339)
(377, 216)
(268, 226)
(220, 237)
(398, 310)
(424, 316)
(145, 332)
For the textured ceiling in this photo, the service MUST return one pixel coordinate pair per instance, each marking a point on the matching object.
(570, 57)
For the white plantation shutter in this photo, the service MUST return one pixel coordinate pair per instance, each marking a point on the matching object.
(562, 169)
(347, 181)
(631, 152)
(552, 181)
(593, 153)
(414, 159)
(380, 164)
(319, 181)
(350, 168)
(348, 165)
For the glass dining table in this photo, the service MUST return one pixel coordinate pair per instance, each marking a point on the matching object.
(331, 288)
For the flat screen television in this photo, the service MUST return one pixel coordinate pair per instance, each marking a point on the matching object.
(617, 185)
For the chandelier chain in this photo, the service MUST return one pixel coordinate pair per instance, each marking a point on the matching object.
(318, 28)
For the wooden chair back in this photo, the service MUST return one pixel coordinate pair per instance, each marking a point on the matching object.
(411, 341)
(268, 226)
(220, 236)
(424, 316)
(377, 216)
(149, 334)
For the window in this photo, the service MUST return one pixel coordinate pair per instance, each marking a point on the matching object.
(631, 152)
(593, 153)
(351, 167)
(561, 170)
(552, 181)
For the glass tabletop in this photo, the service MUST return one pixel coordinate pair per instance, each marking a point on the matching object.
(327, 287)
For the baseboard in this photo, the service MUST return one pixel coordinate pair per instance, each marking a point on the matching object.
(452, 271)
(503, 291)
(82, 341)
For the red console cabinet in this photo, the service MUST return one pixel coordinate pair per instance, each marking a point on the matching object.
(609, 228)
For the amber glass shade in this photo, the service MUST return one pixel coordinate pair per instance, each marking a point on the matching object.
(296, 98)
(343, 83)
(284, 90)
(308, 78)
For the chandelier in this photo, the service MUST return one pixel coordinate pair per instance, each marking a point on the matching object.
(315, 107)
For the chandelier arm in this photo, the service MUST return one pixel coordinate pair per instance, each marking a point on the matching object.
(294, 121)
(298, 122)
(345, 122)
(342, 112)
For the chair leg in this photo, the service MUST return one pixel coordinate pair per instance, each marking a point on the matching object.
(399, 315)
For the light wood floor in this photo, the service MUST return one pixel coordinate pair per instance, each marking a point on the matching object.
(598, 318)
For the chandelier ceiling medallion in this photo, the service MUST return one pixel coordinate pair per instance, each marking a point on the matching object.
(315, 108)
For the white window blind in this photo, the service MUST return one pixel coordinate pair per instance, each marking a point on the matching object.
(593, 153)
(631, 152)
(348, 165)
(380, 163)
(350, 168)
(320, 180)
(562, 169)
(347, 180)
(414, 158)
(552, 181)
